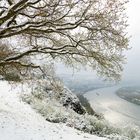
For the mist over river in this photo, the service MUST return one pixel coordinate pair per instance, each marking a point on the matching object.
(115, 109)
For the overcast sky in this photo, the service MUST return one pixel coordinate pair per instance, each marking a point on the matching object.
(132, 68)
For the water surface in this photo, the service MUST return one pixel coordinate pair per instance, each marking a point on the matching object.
(115, 109)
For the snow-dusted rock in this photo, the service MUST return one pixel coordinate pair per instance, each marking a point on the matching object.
(68, 99)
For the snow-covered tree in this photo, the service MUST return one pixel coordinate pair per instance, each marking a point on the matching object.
(87, 32)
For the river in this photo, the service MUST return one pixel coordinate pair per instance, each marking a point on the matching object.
(115, 109)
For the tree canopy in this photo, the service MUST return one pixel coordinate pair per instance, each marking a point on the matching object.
(87, 32)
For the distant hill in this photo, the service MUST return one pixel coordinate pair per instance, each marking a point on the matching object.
(131, 94)
(80, 84)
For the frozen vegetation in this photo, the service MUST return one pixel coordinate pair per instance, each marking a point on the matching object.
(51, 111)
(18, 121)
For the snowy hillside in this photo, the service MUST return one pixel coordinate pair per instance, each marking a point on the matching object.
(18, 121)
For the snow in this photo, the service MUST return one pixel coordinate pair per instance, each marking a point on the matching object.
(18, 121)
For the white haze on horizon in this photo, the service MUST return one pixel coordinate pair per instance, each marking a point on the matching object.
(132, 68)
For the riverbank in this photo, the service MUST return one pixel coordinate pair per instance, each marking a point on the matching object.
(115, 109)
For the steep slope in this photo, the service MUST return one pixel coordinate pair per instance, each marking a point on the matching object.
(18, 121)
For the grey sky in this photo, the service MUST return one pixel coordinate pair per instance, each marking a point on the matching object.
(132, 68)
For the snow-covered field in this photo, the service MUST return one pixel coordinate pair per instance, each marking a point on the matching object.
(18, 121)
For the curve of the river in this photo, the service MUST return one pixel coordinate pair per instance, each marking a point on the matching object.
(116, 110)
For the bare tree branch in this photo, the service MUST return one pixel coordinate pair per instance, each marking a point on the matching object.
(74, 31)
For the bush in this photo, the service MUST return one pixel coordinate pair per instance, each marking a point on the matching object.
(12, 77)
(46, 104)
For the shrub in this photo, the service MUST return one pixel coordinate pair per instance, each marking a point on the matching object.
(12, 77)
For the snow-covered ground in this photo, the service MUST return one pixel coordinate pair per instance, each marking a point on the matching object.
(18, 121)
